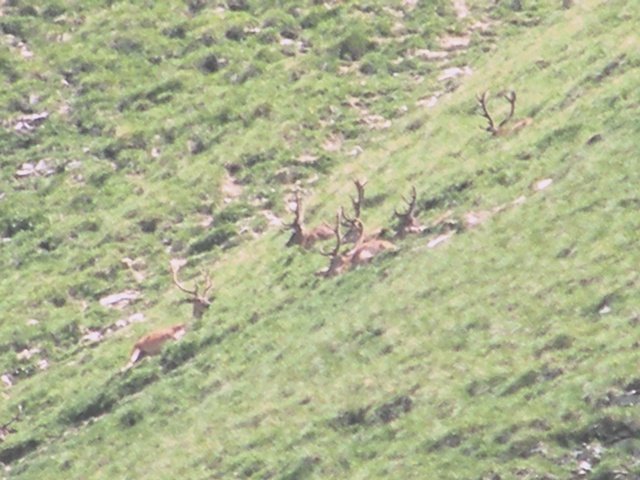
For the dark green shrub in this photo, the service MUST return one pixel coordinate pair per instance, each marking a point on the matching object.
(355, 45)
(215, 238)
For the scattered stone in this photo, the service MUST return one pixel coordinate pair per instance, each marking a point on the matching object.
(32, 321)
(440, 239)
(454, 72)
(43, 364)
(357, 150)
(120, 300)
(26, 354)
(542, 184)
(7, 379)
(455, 43)
(429, 55)
(93, 336)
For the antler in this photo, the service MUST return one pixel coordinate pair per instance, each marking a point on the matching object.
(336, 250)
(411, 203)
(357, 203)
(174, 271)
(511, 98)
(297, 221)
(482, 101)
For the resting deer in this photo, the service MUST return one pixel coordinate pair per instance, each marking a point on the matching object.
(351, 236)
(407, 221)
(503, 128)
(338, 262)
(362, 253)
(303, 237)
(152, 343)
(366, 247)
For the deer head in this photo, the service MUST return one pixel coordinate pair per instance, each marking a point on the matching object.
(303, 237)
(337, 262)
(407, 222)
(351, 236)
(502, 128)
(200, 301)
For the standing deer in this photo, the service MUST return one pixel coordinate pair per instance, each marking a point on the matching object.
(407, 221)
(503, 128)
(152, 343)
(303, 237)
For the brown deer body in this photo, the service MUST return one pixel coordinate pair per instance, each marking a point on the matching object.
(303, 237)
(506, 126)
(362, 253)
(152, 343)
(366, 247)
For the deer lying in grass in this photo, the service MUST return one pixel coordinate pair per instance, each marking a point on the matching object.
(363, 252)
(503, 128)
(353, 234)
(338, 262)
(303, 237)
(152, 343)
(407, 221)
(366, 247)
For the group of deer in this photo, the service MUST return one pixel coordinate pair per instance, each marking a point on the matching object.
(364, 246)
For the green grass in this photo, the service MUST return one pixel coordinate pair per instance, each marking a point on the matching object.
(507, 351)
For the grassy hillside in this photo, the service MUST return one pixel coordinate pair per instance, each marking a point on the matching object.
(500, 343)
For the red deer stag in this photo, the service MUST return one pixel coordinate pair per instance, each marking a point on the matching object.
(338, 262)
(366, 247)
(407, 221)
(351, 236)
(503, 128)
(303, 237)
(152, 343)
(200, 302)
(363, 252)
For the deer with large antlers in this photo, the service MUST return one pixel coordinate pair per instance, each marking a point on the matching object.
(363, 252)
(366, 247)
(338, 262)
(353, 234)
(200, 301)
(152, 343)
(407, 221)
(303, 237)
(505, 127)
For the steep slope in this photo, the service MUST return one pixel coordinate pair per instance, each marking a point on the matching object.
(506, 348)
